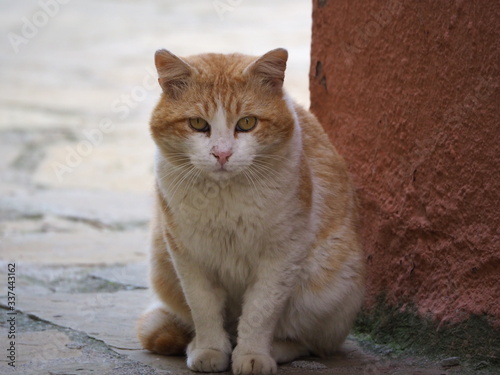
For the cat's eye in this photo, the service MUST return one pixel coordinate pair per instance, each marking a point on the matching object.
(199, 124)
(246, 124)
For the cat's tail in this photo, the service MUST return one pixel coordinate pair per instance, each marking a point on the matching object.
(161, 332)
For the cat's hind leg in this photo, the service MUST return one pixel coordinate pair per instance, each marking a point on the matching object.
(287, 351)
(161, 332)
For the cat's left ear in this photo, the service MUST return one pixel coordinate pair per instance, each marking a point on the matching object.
(270, 68)
(173, 73)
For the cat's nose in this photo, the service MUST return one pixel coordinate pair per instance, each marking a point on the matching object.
(222, 156)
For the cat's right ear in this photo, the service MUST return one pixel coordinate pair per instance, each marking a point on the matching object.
(270, 68)
(173, 73)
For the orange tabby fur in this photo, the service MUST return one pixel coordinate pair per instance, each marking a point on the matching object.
(322, 286)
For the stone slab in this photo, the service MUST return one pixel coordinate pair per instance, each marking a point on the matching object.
(118, 210)
(109, 317)
(133, 274)
(119, 166)
(43, 348)
(9, 154)
(176, 365)
(43, 224)
(38, 118)
(97, 248)
(46, 345)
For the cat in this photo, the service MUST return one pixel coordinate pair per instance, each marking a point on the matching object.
(256, 257)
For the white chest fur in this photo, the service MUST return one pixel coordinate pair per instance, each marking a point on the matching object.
(227, 225)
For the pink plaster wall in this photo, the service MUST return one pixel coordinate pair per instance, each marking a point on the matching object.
(408, 93)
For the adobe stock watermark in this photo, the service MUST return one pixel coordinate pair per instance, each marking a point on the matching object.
(122, 107)
(371, 29)
(31, 26)
(223, 7)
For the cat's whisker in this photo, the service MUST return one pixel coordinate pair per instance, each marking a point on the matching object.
(170, 160)
(170, 166)
(178, 175)
(174, 170)
(176, 161)
(183, 178)
(180, 165)
(272, 157)
(268, 166)
(261, 178)
(266, 181)
(267, 173)
(172, 174)
(177, 155)
(173, 181)
(255, 181)
(248, 176)
(193, 180)
(267, 188)
(271, 164)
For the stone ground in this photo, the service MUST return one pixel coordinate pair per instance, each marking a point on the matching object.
(77, 87)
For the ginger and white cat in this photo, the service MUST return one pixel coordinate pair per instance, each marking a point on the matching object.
(256, 258)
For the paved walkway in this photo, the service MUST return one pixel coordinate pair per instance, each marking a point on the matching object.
(76, 91)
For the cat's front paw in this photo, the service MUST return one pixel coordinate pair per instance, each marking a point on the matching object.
(253, 364)
(207, 360)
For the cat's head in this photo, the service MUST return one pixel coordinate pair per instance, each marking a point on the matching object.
(223, 115)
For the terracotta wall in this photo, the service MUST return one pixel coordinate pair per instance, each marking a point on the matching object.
(408, 92)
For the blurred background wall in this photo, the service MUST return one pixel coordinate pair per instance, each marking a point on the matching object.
(75, 71)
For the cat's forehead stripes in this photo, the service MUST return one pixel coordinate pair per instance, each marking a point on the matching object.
(221, 78)
(220, 112)
(219, 66)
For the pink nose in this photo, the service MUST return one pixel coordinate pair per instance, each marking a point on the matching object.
(222, 156)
